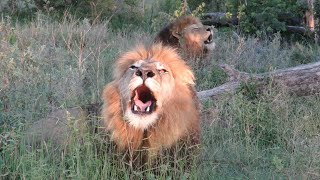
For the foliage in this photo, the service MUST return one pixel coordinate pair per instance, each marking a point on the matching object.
(169, 6)
(317, 9)
(259, 16)
(22, 10)
(303, 54)
(317, 15)
(210, 5)
(170, 10)
(122, 14)
(255, 17)
(84, 8)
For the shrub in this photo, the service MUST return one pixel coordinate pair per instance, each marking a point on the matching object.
(258, 16)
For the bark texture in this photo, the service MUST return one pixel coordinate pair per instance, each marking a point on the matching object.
(294, 25)
(300, 80)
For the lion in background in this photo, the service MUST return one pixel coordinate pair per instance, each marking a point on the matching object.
(151, 106)
(189, 35)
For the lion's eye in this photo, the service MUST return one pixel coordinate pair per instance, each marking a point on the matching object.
(133, 67)
(162, 71)
(195, 29)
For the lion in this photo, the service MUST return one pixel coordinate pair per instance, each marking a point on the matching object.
(151, 105)
(189, 35)
(150, 110)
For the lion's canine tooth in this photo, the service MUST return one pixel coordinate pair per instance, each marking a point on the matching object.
(135, 107)
(148, 109)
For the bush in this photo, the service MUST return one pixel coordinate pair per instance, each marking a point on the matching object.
(127, 10)
(259, 17)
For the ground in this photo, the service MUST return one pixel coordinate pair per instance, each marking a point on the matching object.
(51, 65)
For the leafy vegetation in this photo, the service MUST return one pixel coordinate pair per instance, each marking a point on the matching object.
(256, 17)
(259, 16)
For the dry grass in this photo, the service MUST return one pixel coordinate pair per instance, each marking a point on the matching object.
(46, 65)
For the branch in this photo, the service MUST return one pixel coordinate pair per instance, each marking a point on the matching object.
(223, 19)
(300, 80)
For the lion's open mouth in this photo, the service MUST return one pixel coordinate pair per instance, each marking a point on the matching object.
(143, 101)
(209, 40)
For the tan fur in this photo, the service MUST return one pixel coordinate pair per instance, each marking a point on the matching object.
(57, 127)
(177, 108)
(188, 34)
(61, 125)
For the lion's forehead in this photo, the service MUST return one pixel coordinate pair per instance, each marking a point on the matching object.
(149, 63)
(193, 26)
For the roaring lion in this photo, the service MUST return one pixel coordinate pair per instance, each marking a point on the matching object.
(150, 111)
(188, 34)
(151, 106)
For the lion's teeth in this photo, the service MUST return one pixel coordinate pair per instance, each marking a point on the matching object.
(135, 107)
(148, 109)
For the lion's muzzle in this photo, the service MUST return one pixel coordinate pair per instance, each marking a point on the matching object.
(143, 100)
(144, 74)
(209, 40)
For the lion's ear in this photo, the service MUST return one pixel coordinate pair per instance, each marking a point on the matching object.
(186, 76)
(176, 34)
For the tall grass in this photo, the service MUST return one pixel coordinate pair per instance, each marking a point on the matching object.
(47, 65)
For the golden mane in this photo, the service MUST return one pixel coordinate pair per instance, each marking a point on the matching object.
(177, 115)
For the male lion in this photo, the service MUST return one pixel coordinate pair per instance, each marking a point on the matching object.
(188, 34)
(151, 106)
(150, 110)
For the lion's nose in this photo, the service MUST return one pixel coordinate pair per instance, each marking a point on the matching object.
(144, 74)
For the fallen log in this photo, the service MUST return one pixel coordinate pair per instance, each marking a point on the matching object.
(223, 19)
(299, 30)
(300, 80)
(220, 19)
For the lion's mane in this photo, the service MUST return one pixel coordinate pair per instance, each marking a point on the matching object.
(177, 109)
(189, 35)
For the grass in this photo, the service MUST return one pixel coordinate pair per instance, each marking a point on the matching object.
(45, 64)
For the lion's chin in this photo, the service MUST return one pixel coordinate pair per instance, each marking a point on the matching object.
(141, 121)
(210, 47)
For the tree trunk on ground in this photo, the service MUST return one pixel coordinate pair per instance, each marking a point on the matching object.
(300, 80)
(219, 19)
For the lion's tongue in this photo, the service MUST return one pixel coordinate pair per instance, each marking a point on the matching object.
(140, 104)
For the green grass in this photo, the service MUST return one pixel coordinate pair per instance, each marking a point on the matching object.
(274, 136)
(43, 65)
